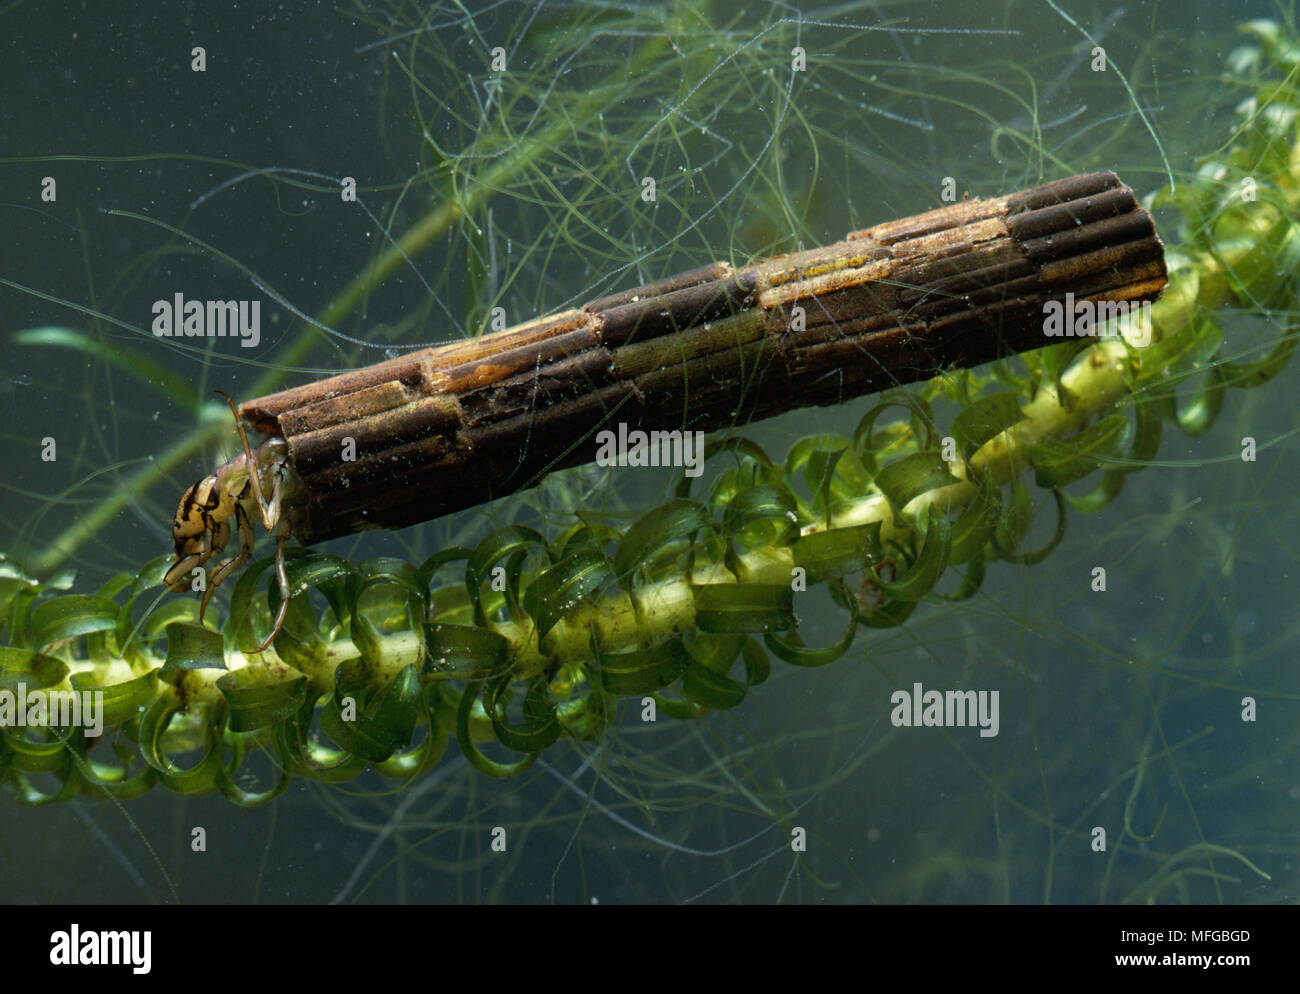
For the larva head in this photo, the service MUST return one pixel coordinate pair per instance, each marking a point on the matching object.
(201, 526)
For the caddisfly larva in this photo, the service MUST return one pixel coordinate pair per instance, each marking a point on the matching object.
(237, 490)
(654, 368)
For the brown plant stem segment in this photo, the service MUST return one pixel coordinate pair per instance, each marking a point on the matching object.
(446, 428)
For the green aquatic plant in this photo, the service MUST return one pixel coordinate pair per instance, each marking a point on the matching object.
(527, 637)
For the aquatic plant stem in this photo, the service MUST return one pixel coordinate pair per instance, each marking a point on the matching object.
(1102, 378)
